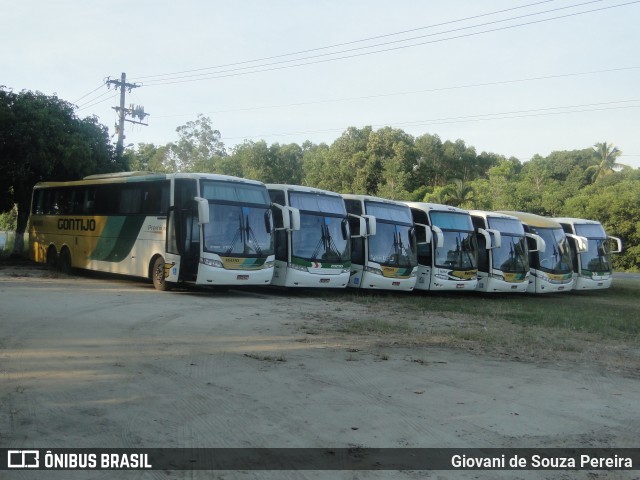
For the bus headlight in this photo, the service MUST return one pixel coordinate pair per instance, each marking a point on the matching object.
(441, 276)
(497, 276)
(211, 263)
(375, 271)
(268, 264)
(345, 270)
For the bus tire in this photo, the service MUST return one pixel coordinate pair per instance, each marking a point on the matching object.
(52, 257)
(157, 275)
(64, 261)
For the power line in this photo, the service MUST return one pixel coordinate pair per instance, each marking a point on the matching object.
(236, 72)
(344, 43)
(89, 93)
(97, 103)
(601, 106)
(91, 100)
(412, 92)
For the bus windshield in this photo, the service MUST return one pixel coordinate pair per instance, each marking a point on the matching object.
(460, 249)
(322, 238)
(238, 230)
(596, 260)
(512, 256)
(239, 219)
(393, 245)
(556, 257)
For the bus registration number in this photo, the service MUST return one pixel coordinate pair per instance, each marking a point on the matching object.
(242, 277)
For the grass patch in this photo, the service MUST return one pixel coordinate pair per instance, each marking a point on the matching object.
(612, 314)
(376, 326)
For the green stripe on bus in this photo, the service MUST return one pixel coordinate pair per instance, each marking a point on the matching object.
(117, 238)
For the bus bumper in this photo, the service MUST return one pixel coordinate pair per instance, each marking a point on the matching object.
(380, 282)
(289, 277)
(212, 276)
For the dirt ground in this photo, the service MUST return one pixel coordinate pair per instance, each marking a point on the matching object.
(100, 361)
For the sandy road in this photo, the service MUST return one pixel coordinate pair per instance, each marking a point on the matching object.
(108, 362)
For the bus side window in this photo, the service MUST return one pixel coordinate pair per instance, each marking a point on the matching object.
(36, 206)
(155, 198)
(353, 206)
(280, 235)
(357, 243)
(130, 200)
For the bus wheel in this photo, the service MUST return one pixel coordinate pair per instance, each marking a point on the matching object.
(52, 257)
(157, 275)
(64, 261)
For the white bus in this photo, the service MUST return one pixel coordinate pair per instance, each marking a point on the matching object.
(196, 228)
(315, 251)
(383, 244)
(503, 253)
(592, 264)
(550, 268)
(447, 247)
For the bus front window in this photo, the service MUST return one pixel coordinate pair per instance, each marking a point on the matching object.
(556, 257)
(393, 245)
(459, 251)
(238, 230)
(321, 238)
(597, 259)
(511, 257)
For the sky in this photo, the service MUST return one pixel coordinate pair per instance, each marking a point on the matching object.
(516, 78)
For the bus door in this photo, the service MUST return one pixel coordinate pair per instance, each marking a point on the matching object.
(183, 233)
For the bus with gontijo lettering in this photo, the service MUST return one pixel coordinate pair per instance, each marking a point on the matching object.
(203, 229)
(315, 251)
(550, 268)
(592, 267)
(383, 243)
(447, 247)
(503, 253)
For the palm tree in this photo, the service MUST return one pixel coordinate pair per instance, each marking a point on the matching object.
(606, 155)
(458, 193)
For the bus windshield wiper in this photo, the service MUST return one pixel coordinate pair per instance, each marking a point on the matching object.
(251, 237)
(237, 236)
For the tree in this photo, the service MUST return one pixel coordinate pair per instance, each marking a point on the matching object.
(42, 139)
(149, 158)
(199, 148)
(606, 155)
(458, 194)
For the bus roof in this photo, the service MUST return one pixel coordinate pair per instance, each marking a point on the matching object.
(300, 188)
(488, 214)
(351, 196)
(534, 220)
(576, 221)
(126, 177)
(427, 207)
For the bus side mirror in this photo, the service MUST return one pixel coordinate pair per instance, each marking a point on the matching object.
(540, 245)
(582, 243)
(358, 225)
(371, 226)
(268, 220)
(424, 229)
(344, 228)
(439, 236)
(295, 218)
(290, 217)
(494, 241)
(203, 210)
(618, 248)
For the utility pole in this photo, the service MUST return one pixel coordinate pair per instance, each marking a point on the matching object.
(134, 111)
